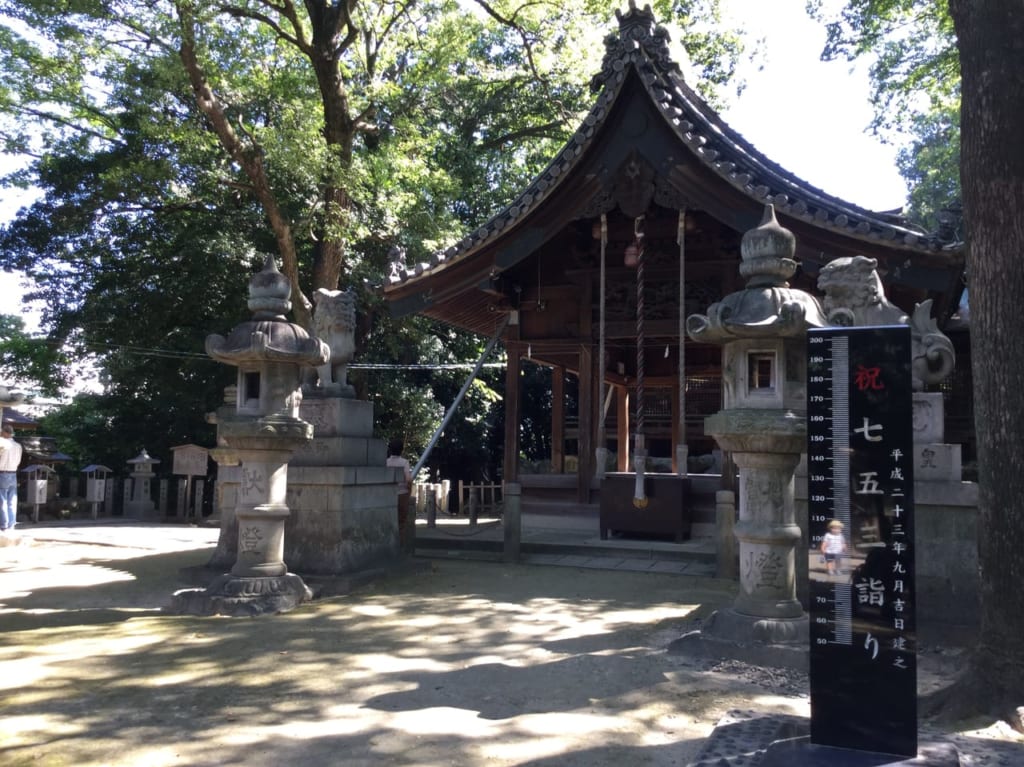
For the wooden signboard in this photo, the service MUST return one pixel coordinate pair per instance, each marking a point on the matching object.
(190, 460)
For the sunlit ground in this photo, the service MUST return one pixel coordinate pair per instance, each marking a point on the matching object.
(456, 664)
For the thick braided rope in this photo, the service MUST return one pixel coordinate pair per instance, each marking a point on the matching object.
(640, 343)
(600, 344)
(639, 492)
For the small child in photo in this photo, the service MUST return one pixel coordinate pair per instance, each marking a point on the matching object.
(833, 546)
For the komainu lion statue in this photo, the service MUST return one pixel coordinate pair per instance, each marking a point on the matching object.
(334, 322)
(854, 296)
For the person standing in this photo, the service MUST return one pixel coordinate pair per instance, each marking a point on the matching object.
(10, 458)
(406, 526)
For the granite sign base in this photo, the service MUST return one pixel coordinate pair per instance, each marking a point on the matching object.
(800, 751)
(243, 597)
(743, 738)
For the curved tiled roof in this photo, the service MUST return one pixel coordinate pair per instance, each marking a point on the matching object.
(641, 45)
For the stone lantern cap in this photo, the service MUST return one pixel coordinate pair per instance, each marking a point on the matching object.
(767, 307)
(38, 469)
(95, 468)
(143, 458)
(268, 336)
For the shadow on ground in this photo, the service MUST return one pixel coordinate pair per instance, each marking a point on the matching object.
(456, 663)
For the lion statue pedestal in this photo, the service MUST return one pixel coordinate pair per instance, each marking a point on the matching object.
(342, 497)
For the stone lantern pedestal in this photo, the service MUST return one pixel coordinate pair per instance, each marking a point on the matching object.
(766, 447)
(259, 581)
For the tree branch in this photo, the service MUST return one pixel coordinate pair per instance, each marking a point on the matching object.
(512, 23)
(59, 120)
(250, 161)
(549, 130)
(373, 43)
(262, 18)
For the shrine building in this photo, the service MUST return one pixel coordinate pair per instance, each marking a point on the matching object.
(653, 171)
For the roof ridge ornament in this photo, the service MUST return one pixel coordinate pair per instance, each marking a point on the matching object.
(638, 31)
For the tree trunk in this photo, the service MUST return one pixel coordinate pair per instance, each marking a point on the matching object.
(332, 34)
(339, 132)
(990, 34)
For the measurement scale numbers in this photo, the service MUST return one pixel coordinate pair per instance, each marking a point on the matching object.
(860, 533)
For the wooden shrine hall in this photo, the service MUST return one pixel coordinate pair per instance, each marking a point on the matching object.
(633, 226)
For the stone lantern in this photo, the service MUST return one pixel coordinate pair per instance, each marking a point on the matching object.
(95, 486)
(261, 433)
(762, 330)
(140, 504)
(37, 490)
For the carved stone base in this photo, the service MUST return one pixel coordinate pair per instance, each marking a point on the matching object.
(243, 597)
(737, 627)
(778, 642)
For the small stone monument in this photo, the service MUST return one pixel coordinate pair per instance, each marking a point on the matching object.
(260, 434)
(140, 505)
(762, 330)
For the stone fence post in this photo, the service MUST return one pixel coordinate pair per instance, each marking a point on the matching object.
(512, 523)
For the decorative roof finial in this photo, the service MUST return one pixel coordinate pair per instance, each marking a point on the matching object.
(767, 253)
(268, 292)
(640, 38)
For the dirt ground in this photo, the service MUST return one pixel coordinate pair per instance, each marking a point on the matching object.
(447, 663)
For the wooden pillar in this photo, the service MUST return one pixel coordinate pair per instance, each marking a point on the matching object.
(622, 397)
(586, 424)
(558, 419)
(512, 410)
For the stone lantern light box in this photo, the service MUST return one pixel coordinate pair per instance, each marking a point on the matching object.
(36, 478)
(37, 486)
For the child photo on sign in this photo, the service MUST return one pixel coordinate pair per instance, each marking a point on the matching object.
(833, 546)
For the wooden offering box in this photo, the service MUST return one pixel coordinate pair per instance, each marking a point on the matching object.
(666, 512)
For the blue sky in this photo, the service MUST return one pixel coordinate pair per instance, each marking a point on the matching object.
(811, 117)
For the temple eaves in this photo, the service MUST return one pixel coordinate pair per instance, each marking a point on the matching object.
(642, 46)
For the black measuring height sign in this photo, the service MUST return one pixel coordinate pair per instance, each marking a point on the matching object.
(861, 531)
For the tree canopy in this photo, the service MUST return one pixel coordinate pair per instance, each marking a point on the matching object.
(915, 75)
